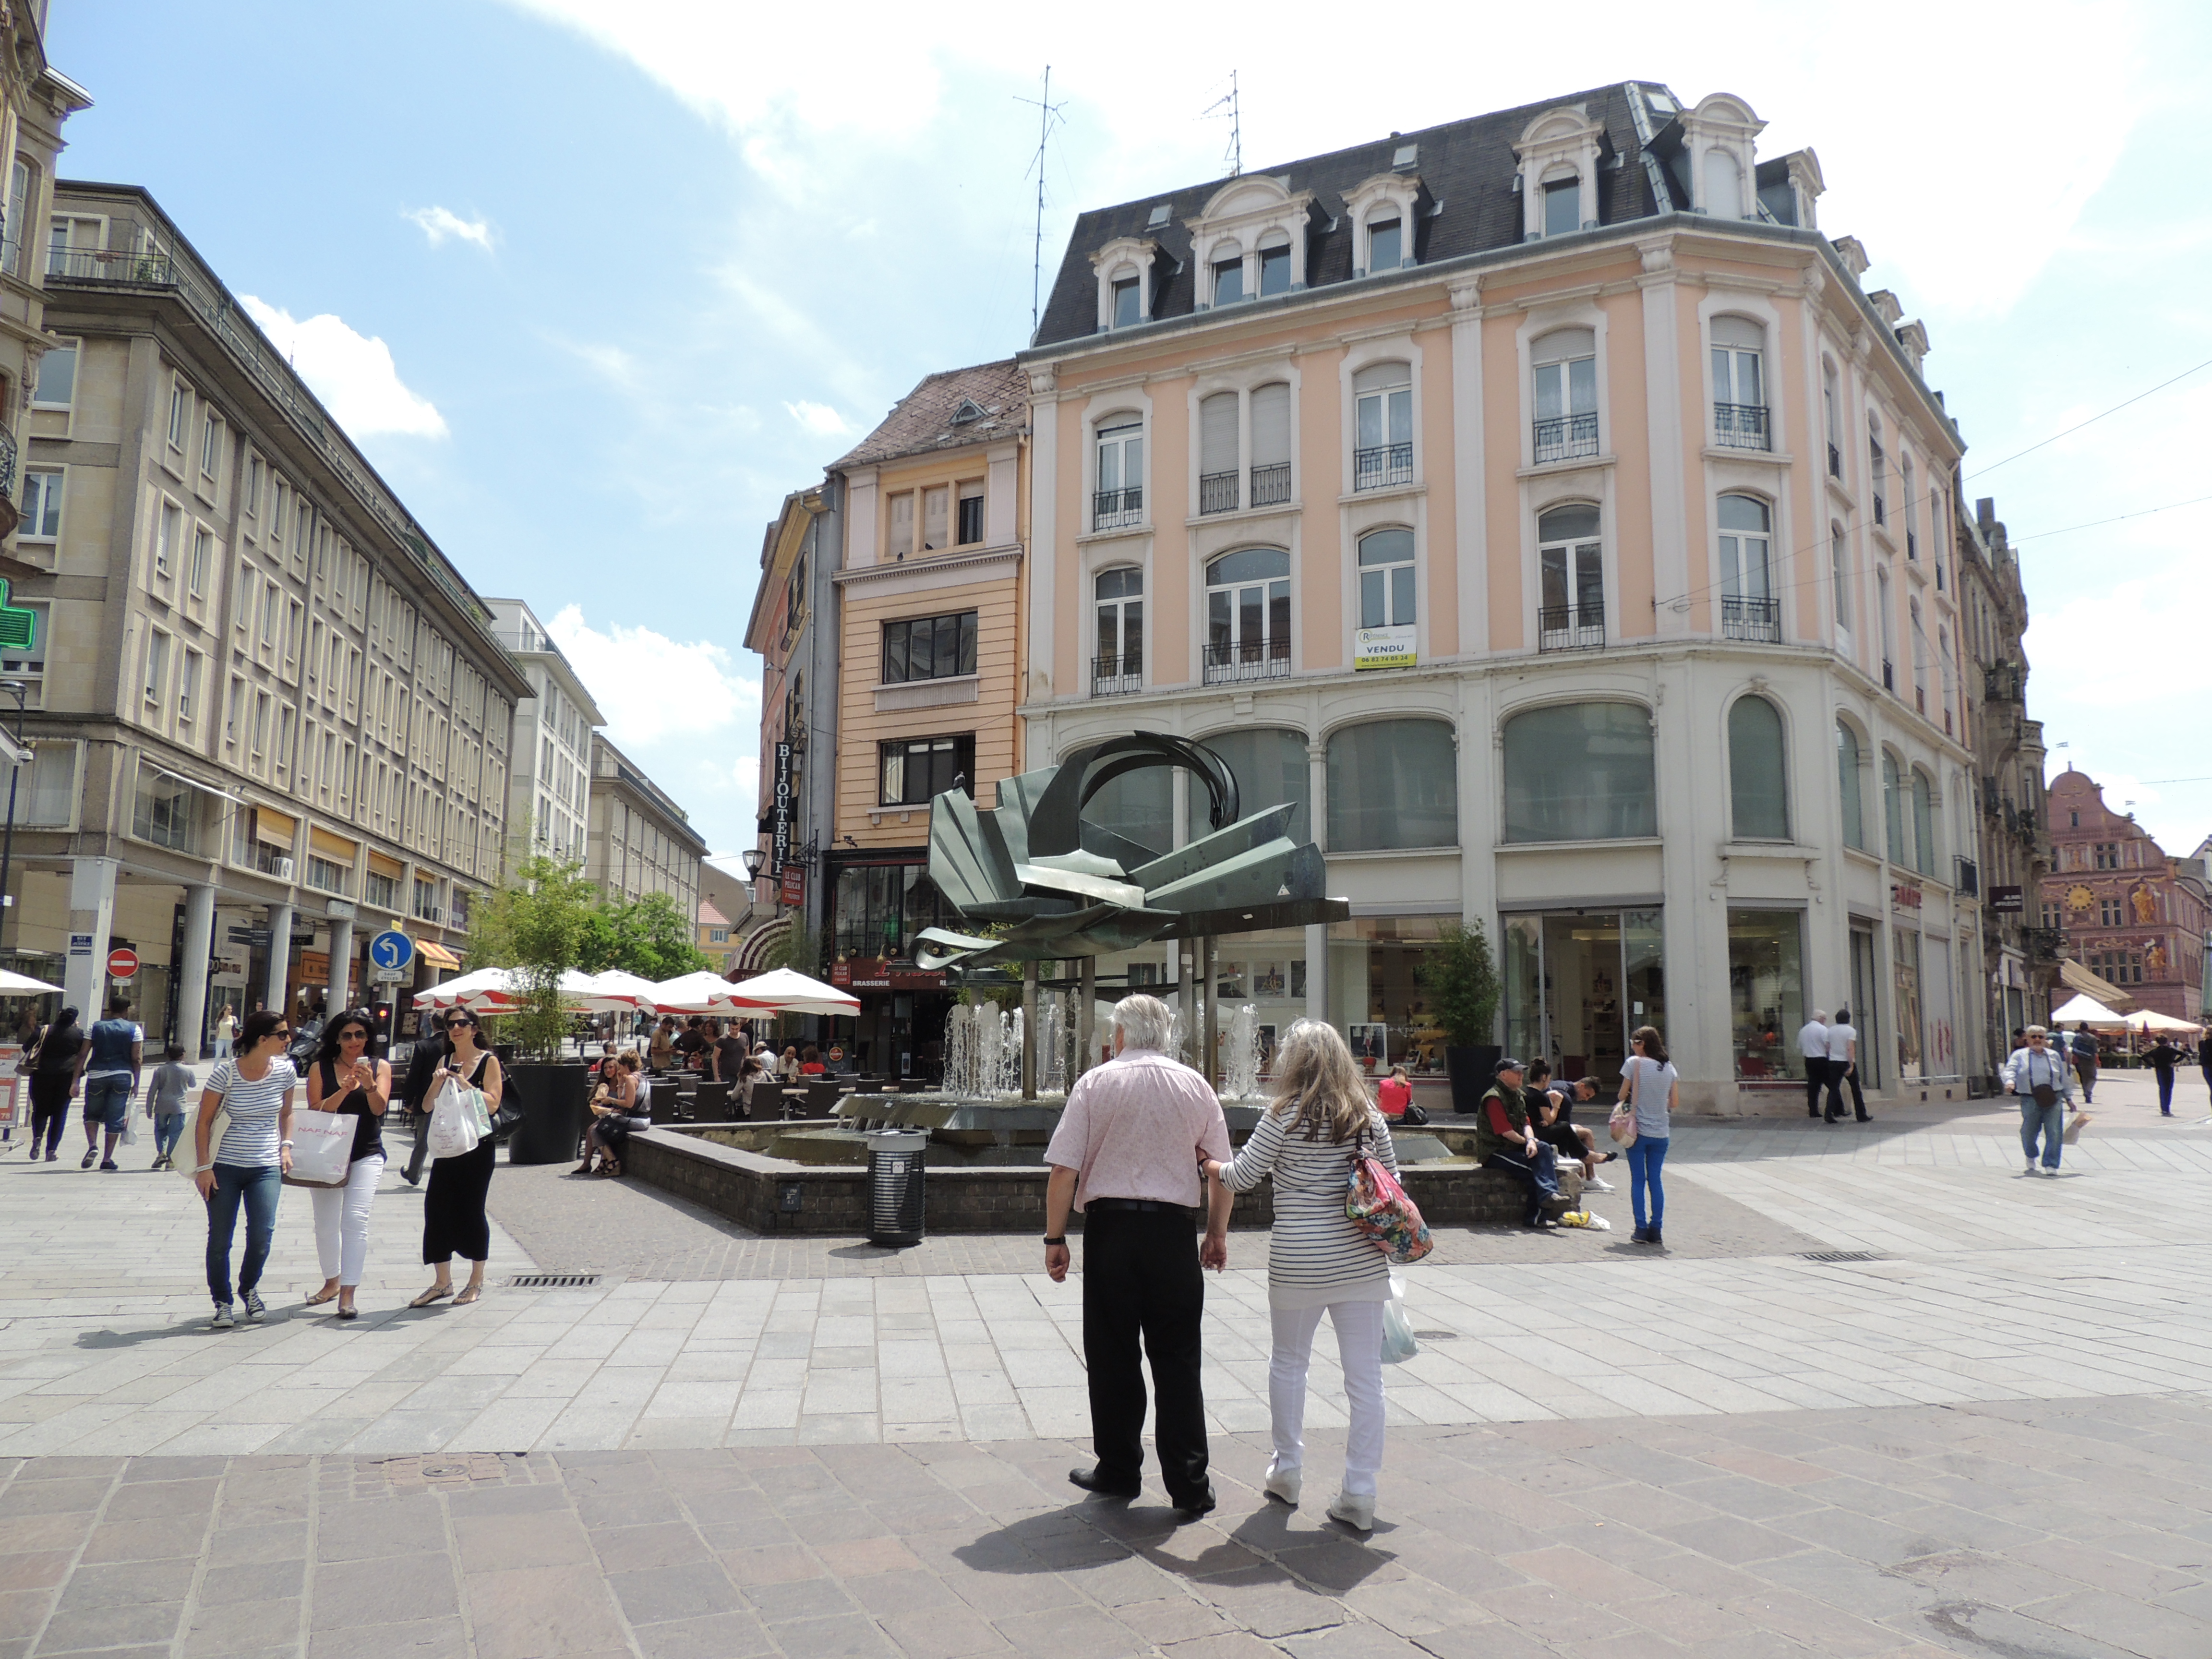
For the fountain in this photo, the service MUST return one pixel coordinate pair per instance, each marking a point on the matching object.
(1240, 1065)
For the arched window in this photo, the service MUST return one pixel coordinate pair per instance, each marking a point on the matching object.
(1847, 781)
(1749, 610)
(1723, 185)
(1119, 497)
(1382, 454)
(1923, 822)
(1564, 365)
(1119, 666)
(1386, 579)
(1228, 274)
(1570, 566)
(1894, 809)
(1271, 767)
(1580, 771)
(1759, 785)
(1393, 784)
(1247, 616)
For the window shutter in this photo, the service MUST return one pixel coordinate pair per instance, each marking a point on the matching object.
(1740, 332)
(1216, 427)
(1271, 425)
(1563, 345)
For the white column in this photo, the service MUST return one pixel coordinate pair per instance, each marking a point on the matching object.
(341, 966)
(92, 920)
(1669, 458)
(192, 971)
(1318, 933)
(1467, 553)
(280, 952)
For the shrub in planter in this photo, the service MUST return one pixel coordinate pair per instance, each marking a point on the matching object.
(1463, 987)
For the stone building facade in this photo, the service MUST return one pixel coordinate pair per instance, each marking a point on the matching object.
(2131, 913)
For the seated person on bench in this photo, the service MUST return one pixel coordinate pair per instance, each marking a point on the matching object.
(1552, 1110)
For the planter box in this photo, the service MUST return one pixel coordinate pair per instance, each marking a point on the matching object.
(556, 1106)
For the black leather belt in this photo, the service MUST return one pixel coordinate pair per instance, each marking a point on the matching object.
(1145, 1205)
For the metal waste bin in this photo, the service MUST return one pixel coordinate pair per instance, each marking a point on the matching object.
(896, 1195)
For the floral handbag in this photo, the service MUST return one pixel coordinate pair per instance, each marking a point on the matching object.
(1374, 1203)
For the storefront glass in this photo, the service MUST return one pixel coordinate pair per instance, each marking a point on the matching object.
(1375, 997)
(1576, 984)
(1271, 768)
(1905, 942)
(881, 907)
(1939, 1053)
(1766, 993)
(1866, 1008)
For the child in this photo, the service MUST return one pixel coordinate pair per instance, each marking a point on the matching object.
(166, 1100)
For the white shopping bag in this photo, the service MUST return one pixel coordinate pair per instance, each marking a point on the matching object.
(1398, 1343)
(322, 1148)
(456, 1122)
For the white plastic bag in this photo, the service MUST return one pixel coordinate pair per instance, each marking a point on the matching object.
(454, 1123)
(322, 1148)
(1398, 1343)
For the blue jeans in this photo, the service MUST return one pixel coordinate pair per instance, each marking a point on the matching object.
(168, 1130)
(259, 1188)
(2047, 1120)
(1644, 1158)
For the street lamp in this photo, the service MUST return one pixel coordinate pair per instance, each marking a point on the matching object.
(754, 858)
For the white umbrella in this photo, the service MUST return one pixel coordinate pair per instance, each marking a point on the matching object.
(2087, 1011)
(500, 991)
(2149, 1019)
(787, 991)
(618, 989)
(695, 993)
(22, 985)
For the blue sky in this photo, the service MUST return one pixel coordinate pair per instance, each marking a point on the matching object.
(638, 269)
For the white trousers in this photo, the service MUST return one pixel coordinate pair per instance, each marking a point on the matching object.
(1359, 1347)
(341, 1221)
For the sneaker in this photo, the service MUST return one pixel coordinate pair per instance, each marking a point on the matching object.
(2051, 1172)
(1285, 1484)
(2031, 1166)
(224, 1320)
(1598, 1183)
(254, 1306)
(91, 1158)
(1356, 1512)
(1641, 1235)
(51, 1157)
(109, 1164)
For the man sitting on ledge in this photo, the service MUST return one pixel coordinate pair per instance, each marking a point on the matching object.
(1504, 1139)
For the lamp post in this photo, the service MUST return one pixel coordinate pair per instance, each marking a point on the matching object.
(20, 691)
(754, 858)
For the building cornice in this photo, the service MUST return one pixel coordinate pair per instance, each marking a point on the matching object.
(860, 574)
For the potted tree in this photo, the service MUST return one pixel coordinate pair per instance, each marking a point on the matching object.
(534, 926)
(1462, 983)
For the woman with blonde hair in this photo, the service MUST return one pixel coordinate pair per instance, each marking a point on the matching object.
(1317, 1260)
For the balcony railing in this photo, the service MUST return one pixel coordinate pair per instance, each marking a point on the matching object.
(1117, 677)
(1565, 436)
(1741, 426)
(1571, 628)
(111, 265)
(1217, 492)
(7, 464)
(1881, 510)
(1270, 484)
(2001, 682)
(1248, 659)
(1110, 509)
(1970, 878)
(1387, 464)
(1752, 619)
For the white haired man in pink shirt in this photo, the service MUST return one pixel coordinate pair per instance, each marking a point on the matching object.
(1126, 1154)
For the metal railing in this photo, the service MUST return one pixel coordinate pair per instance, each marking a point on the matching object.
(1110, 509)
(1751, 619)
(1835, 462)
(1386, 464)
(1970, 878)
(1571, 628)
(1270, 484)
(1248, 659)
(1565, 436)
(1881, 510)
(1741, 426)
(1217, 492)
(1117, 677)
(7, 464)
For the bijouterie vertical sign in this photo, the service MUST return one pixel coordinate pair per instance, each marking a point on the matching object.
(782, 831)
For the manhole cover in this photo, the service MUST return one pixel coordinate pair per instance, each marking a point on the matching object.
(551, 1281)
(1842, 1256)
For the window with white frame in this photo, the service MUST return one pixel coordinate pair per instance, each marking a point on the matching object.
(1909, 509)
(1563, 203)
(42, 504)
(1119, 496)
(1839, 569)
(1274, 263)
(1228, 274)
(1271, 443)
(188, 686)
(1382, 451)
(180, 412)
(1386, 244)
(203, 558)
(1919, 658)
(57, 383)
(1386, 579)
(1218, 417)
(254, 472)
(1749, 610)
(1571, 575)
(169, 537)
(1128, 303)
(1882, 617)
(1564, 364)
(1119, 664)
(1831, 415)
(1739, 384)
(1247, 616)
(210, 442)
(157, 665)
(1877, 470)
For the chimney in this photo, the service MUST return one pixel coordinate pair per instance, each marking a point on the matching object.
(1985, 513)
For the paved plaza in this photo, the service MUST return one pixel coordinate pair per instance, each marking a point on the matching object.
(1984, 1431)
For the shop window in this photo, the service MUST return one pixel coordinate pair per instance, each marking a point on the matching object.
(1759, 783)
(1271, 768)
(1393, 784)
(1766, 992)
(1580, 771)
(879, 907)
(1847, 781)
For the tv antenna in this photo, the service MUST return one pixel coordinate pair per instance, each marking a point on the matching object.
(1048, 114)
(1227, 102)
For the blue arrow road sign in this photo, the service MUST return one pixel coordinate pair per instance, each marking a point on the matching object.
(391, 949)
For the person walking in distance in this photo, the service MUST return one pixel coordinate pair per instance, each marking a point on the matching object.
(2037, 1078)
(248, 1166)
(114, 1058)
(1127, 1155)
(2204, 1059)
(345, 1080)
(2162, 1057)
(166, 1100)
(55, 1069)
(453, 1219)
(1844, 1062)
(1317, 1261)
(1812, 1044)
(2085, 1059)
(226, 1028)
(1649, 1084)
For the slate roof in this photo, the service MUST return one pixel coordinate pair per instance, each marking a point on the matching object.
(1468, 202)
(993, 397)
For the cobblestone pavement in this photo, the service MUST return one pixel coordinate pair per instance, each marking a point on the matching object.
(2047, 1531)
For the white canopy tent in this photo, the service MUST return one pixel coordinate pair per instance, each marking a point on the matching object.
(787, 991)
(2087, 1011)
(701, 993)
(497, 991)
(22, 985)
(2149, 1019)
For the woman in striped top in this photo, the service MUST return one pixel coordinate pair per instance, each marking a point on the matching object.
(1317, 1260)
(256, 1090)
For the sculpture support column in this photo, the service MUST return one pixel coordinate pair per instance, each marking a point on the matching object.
(1187, 990)
(1210, 1052)
(1087, 999)
(1028, 1029)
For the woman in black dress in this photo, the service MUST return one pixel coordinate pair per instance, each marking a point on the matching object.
(62, 1052)
(454, 1219)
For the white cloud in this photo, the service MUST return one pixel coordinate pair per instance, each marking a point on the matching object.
(441, 225)
(818, 420)
(353, 374)
(653, 689)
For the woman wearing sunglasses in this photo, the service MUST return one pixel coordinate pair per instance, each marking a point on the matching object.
(345, 1080)
(454, 1219)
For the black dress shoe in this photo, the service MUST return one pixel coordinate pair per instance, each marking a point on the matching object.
(1190, 1509)
(1091, 1480)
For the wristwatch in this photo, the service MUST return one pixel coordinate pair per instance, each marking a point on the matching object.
(1055, 1238)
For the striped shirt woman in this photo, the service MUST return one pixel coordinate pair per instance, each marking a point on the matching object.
(1317, 1260)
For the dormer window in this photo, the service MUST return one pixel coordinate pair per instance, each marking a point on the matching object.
(1124, 268)
(1719, 138)
(1559, 152)
(1128, 303)
(1229, 280)
(1275, 267)
(1405, 156)
(1384, 239)
(1723, 185)
(1563, 205)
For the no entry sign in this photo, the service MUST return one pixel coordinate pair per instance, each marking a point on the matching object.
(121, 964)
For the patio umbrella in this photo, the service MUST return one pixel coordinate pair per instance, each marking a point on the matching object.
(2149, 1019)
(2087, 1011)
(787, 991)
(619, 990)
(22, 985)
(695, 993)
(498, 990)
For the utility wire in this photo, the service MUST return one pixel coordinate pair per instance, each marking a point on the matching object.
(1983, 471)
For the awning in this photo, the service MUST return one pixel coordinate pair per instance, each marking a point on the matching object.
(2083, 982)
(380, 865)
(336, 848)
(274, 827)
(194, 783)
(435, 954)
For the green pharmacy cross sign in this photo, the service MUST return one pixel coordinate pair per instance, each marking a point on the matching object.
(19, 625)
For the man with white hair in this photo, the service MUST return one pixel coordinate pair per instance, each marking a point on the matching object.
(1812, 1044)
(1126, 1154)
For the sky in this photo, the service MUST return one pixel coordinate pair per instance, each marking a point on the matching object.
(596, 285)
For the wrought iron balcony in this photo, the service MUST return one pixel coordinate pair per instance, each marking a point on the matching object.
(1970, 878)
(10, 515)
(1565, 436)
(1387, 464)
(1217, 492)
(1741, 426)
(1117, 677)
(111, 265)
(2001, 683)
(1248, 659)
(1571, 628)
(1270, 484)
(1110, 509)
(1752, 619)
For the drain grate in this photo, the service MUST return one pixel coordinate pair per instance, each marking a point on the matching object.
(1843, 1255)
(551, 1281)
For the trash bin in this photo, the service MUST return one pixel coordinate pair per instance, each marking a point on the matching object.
(896, 1190)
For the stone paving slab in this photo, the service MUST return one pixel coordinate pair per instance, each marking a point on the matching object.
(2075, 1527)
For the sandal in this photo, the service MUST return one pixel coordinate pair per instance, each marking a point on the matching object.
(322, 1297)
(610, 1166)
(468, 1296)
(435, 1293)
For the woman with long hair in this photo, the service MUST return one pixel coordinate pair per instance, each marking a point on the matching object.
(345, 1080)
(1317, 1260)
(454, 1219)
(1648, 1082)
(62, 1053)
(255, 1088)
(615, 1113)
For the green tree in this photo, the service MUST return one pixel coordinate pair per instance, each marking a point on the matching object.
(649, 937)
(534, 924)
(1462, 981)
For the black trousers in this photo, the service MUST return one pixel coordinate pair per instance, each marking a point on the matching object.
(1852, 1077)
(1141, 1278)
(1825, 1074)
(1540, 1172)
(2165, 1087)
(1563, 1140)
